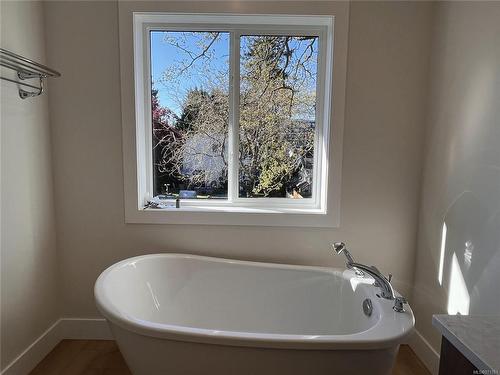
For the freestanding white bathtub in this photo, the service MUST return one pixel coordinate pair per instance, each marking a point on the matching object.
(185, 314)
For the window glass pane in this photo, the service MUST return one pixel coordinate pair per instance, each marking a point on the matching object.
(189, 96)
(277, 115)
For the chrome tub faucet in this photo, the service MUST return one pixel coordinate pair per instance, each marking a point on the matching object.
(382, 282)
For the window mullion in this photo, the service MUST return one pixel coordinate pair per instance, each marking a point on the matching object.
(234, 103)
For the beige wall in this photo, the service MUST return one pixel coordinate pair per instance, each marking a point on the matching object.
(29, 303)
(461, 182)
(387, 70)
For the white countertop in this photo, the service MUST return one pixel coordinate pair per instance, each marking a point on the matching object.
(476, 337)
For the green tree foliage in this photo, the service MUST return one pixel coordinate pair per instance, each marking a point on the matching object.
(196, 152)
(164, 135)
(274, 140)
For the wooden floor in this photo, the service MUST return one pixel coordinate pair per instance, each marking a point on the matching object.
(99, 357)
(408, 363)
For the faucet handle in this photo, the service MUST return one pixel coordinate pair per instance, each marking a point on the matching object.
(399, 303)
(390, 277)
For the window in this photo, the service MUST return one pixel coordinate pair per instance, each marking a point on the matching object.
(190, 106)
(190, 113)
(233, 112)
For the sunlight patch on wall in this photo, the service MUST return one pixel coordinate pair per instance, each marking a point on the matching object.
(441, 255)
(458, 295)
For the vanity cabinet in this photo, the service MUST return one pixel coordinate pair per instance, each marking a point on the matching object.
(470, 344)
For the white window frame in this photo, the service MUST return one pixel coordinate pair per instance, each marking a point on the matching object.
(236, 211)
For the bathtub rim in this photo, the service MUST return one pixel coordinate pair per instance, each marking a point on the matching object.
(383, 334)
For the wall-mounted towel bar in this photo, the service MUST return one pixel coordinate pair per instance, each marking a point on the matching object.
(26, 69)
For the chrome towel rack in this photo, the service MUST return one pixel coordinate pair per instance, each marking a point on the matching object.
(26, 69)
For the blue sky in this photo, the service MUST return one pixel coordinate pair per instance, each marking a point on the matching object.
(165, 55)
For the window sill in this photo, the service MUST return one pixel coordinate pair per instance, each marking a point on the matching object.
(240, 209)
(234, 215)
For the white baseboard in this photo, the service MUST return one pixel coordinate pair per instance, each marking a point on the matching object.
(424, 350)
(65, 328)
(34, 353)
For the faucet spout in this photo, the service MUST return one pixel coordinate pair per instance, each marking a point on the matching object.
(387, 291)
